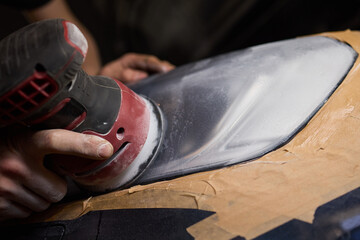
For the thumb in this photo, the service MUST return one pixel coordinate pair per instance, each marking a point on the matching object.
(60, 141)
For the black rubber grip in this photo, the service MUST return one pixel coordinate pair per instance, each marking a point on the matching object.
(42, 83)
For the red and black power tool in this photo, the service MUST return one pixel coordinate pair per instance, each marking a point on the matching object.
(43, 86)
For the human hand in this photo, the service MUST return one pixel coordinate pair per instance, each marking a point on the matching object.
(26, 186)
(132, 67)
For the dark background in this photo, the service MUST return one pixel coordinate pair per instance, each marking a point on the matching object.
(182, 31)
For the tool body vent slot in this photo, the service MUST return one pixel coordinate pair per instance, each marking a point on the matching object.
(28, 96)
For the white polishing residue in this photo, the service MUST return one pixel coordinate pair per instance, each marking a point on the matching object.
(76, 37)
(133, 170)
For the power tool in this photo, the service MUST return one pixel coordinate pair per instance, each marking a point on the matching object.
(42, 86)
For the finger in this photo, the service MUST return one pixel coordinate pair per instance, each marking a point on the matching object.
(59, 141)
(9, 210)
(148, 63)
(33, 176)
(125, 74)
(166, 66)
(21, 179)
(15, 192)
(132, 76)
(158, 66)
(46, 184)
(31, 200)
(113, 69)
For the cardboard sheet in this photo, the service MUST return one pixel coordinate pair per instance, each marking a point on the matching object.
(321, 163)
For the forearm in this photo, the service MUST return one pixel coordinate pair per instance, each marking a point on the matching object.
(60, 9)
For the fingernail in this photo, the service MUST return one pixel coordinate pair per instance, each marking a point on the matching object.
(164, 69)
(167, 68)
(105, 150)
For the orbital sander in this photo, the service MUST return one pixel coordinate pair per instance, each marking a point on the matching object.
(43, 86)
